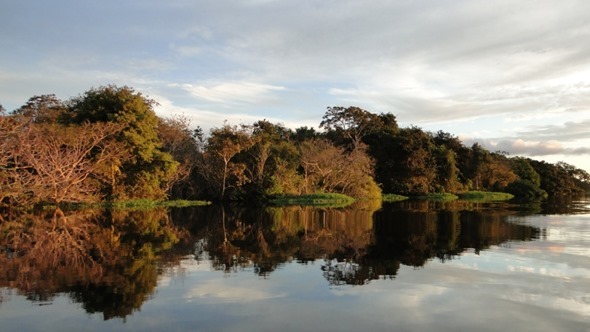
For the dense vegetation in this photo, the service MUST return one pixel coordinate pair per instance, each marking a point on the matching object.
(108, 144)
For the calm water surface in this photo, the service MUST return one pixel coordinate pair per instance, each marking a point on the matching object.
(414, 266)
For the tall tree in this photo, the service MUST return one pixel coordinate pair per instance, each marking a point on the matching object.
(447, 173)
(406, 162)
(217, 165)
(184, 145)
(271, 161)
(352, 124)
(523, 169)
(145, 170)
(42, 109)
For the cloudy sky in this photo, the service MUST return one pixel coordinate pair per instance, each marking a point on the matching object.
(512, 75)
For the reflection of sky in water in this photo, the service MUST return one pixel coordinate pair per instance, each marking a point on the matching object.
(541, 285)
(526, 286)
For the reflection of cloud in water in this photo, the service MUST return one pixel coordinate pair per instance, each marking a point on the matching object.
(222, 289)
(185, 267)
(219, 290)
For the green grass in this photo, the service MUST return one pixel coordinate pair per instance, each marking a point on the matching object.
(441, 197)
(136, 204)
(148, 204)
(319, 199)
(393, 198)
(485, 196)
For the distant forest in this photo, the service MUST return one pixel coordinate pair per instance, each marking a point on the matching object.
(109, 144)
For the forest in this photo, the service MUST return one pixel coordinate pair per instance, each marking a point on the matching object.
(108, 144)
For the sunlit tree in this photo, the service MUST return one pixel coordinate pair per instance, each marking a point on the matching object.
(144, 170)
(217, 165)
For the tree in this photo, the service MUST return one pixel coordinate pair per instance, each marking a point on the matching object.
(13, 190)
(144, 170)
(304, 133)
(447, 173)
(496, 172)
(42, 109)
(183, 144)
(328, 168)
(352, 123)
(271, 161)
(524, 170)
(217, 166)
(406, 162)
(52, 163)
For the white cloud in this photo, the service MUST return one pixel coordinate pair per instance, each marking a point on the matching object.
(234, 92)
(219, 290)
(469, 65)
(527, 148)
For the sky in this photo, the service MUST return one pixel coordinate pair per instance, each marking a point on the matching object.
(511, 75)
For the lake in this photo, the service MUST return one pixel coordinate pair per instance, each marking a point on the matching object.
(409, 266)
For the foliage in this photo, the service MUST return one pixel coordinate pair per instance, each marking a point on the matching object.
(485, 196)
(218, 165)
(52, 163)
(393, 198)
(526, 190)
(108, 261)
(108, 145)
(143, 170)
(317, 199)
(328, 168)
(556, 179)
(183, 145)
(42, 109)
(349, 125)
(146, 204)
(271, 162)
(438, 197)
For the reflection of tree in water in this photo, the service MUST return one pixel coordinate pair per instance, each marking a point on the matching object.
(263, 239)
(109, 262)
(413, 236)
(356, 245)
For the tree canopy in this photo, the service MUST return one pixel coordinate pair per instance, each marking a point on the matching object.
(108, 143)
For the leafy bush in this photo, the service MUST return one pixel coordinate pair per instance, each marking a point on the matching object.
(393, 198)
(438, 197)
(318, 199)
(526, 190)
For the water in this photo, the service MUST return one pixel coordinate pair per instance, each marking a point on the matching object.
(401, 267)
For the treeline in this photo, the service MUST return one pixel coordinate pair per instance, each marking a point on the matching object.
(109, 144)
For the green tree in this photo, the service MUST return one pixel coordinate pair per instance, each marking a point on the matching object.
(555, 180)
(218, 166)
(409, 163)
(475, 163)
(581, 177)
(447, 174)
(271, 161)
(42, 109)
(349, 125)
(524, 170)
(304, 133)
(144, 169)
(185, 146)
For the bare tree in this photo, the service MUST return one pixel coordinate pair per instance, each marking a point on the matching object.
(329, 168)
(55, 163)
